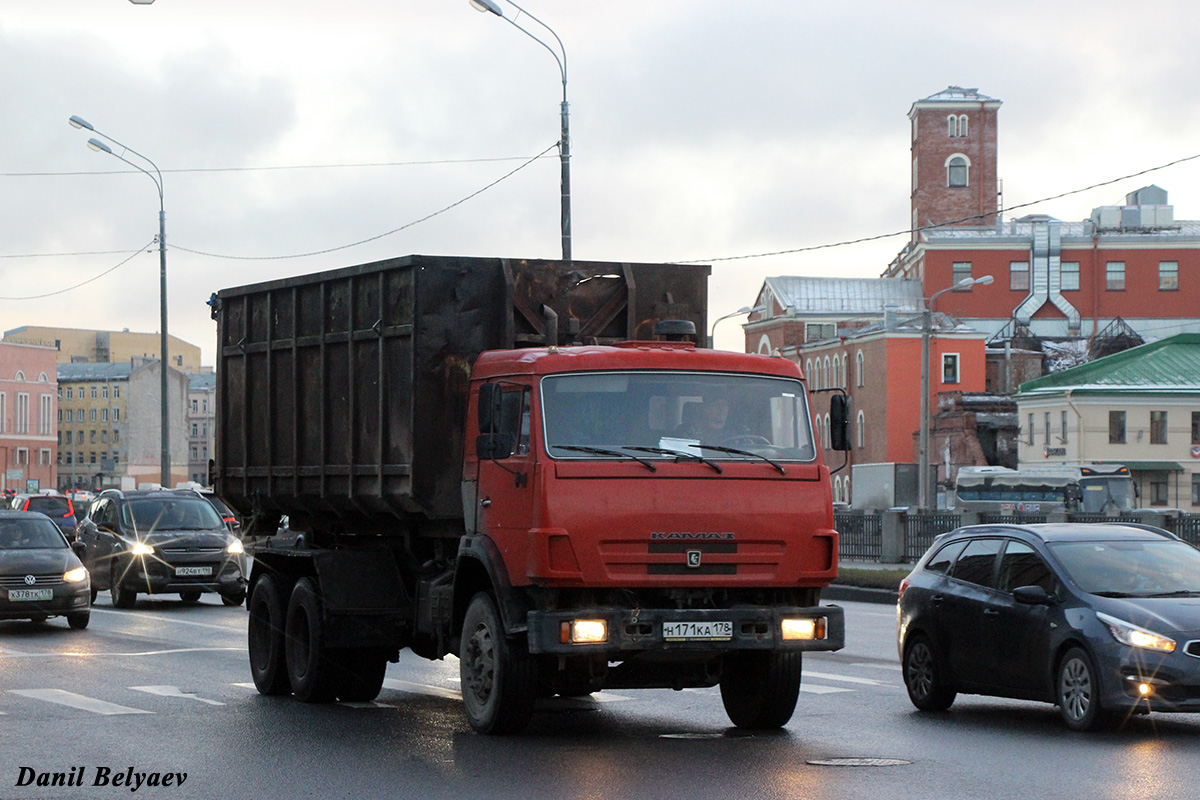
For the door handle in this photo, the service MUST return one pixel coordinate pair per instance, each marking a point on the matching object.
(991, 612)
(485, 502)
(937, 599)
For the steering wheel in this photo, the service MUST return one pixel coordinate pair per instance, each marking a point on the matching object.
(745, 440)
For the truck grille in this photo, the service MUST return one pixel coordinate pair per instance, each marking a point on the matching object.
(628, 559)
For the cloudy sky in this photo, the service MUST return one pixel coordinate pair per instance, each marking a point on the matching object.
(705, 130)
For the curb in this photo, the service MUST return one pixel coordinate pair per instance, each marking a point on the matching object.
(859, 594)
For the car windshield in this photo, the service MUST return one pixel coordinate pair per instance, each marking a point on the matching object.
(1131, 568)
(29, 534)
(665, 415)
(170, 513)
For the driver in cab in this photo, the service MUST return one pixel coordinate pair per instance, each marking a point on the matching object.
(708, 421)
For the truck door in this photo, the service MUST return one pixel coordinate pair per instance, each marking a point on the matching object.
(505, 479)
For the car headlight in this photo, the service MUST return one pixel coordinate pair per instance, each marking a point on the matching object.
(235, 547)
(1132, 635)
(75, 575)
(141, 549)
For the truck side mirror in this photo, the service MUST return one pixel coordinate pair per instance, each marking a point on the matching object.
(839, 422)
(489, 407)
(491, 446)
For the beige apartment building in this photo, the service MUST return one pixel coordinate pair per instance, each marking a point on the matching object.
(1139, 407)
(100, 347)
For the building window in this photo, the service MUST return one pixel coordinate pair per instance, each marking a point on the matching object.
(94, 392)
(1158, 427)
(22, 412)
(861, 430)
(827, 378)
(44, 416)
(67, 440)
(104, 415)
(1018, 275)
(70, 393)
(950, 368)
(1046, 427)
(1029, 430)
(92, 414)
(858, 368)
(195, 406)
(1116, 427)
(1063, 437)
(1069, 271)
(1114, 276)
(116, 391)
(1158, 490)
(1196, 488)
(808, 373)
(837, 361)
(22, 456)
(69, 458)
(92, 436)
(104, 392)
(44, 457)
(952, 126)
(1168, 276)
(116, 415)
(960, 272)
(814, 332)
(195, 429)
(958, 171)
(1196, 427)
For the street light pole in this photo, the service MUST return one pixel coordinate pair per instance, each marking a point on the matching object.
(564, 142)
(712, 332)
(156, 176)
(923, 438)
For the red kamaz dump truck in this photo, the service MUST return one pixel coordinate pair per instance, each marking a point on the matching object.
(525, 465)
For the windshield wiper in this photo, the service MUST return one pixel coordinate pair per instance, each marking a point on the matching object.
(735, 451)
(601, 451)
(1116, 594)
(1180, 593)
(678, 455)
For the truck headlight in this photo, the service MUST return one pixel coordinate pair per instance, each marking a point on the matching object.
(584, 631)
(802, 629)
(1130, 634)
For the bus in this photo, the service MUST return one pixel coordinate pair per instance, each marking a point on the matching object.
(1043, 488)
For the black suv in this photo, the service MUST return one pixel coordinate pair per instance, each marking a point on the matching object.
(161, 542)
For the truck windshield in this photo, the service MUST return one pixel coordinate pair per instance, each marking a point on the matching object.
(714, 416)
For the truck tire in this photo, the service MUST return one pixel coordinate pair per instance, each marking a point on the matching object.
(268, 614)
(499, 676)
(759, 687)
(310, 668)
(361, 671)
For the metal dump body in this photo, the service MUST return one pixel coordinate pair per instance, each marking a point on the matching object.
(342, 394)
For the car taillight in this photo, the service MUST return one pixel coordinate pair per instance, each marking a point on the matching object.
(903, 586)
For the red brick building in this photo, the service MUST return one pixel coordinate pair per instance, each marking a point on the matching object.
(28, 417)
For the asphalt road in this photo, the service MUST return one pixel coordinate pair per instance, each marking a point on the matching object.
(165, 689)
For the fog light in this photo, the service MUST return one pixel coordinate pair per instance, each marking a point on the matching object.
(803, 629)
(584, 631)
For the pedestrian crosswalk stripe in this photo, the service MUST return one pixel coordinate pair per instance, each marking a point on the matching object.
(421, 688)
(174, 691)
(810, 689)
(82, 702)
(846, 678)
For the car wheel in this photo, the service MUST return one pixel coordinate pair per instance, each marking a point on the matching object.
(234, 599)
(190, 597)
(926, 682)
(361, 671)
(268, 615)
(499, 676)
(79, 619)
(1079, 693)
(38, 619)
(759, 688)
(95, 594)
(310, 668)
(122, 597)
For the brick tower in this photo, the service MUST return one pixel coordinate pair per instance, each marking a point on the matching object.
(954, 159)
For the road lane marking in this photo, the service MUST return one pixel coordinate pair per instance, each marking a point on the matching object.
(846, 678)
(82, 702)
(72, 654)
(239, 629)
(421, 688)
(810, 689)
(174, 691)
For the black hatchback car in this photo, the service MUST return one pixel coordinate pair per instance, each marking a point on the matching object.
(40, 574)
(1102, 620)
(161, 542)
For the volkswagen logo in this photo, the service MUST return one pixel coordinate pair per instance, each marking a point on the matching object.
(30, 580)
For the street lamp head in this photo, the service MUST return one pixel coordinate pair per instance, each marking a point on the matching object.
(984, 280)
(486, 5)
(99, 146)
(80, 122)
(141, 2)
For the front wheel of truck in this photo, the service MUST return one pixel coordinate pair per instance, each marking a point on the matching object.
(499, 678)
(759, 688)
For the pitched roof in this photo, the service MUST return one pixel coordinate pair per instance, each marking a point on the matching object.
(1170, 365)
(802, 295)
(94, 371)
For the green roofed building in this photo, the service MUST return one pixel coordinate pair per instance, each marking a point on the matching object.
(1139, 407)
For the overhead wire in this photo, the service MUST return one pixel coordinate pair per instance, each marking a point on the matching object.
(66, 289)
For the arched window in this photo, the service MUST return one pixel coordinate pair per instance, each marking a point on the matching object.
(952, 126)
(858, 368)
(837, 363)
(808, 373)
(962, 125)
(861, 430)
(826, 375)
(845, 366)
(837, 489)
(20, 375)
(958, 170)
(827, 429)
(42, 378)
(846, 492)
(764, 346)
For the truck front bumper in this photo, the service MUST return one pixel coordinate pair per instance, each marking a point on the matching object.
(628, 631)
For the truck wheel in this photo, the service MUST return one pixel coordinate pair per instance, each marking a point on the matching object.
(267, 618)
(927, 686)
(360, 674)
(499, 676)
(759, 688)
(309, 668)
(121, 597)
